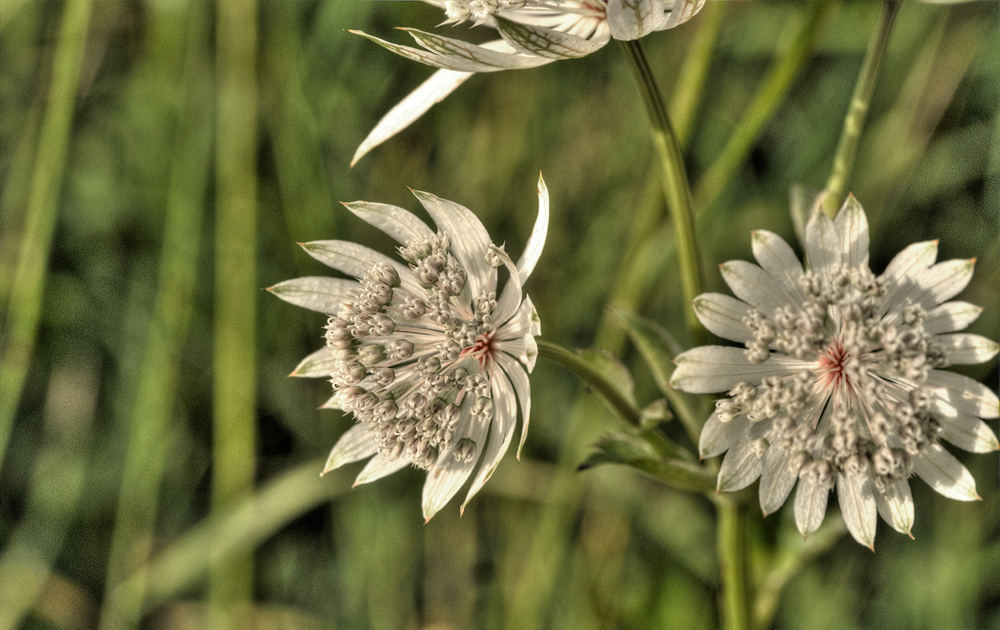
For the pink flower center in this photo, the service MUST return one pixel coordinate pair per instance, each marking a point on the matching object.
(831, 366)
(482, 349)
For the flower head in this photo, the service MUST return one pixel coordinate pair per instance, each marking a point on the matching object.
(840, 384)
(425, 355)
(533, 32)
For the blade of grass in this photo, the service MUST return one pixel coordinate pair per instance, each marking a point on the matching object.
(25, 301)
(234, 428)
(149, 432)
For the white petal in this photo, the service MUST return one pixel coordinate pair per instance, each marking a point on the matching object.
(852, 224)
(928, 287)
(966, 349)
(501, 431)
(905, 266)
(432, 91)
(710, 369)
(533, 251)
(632, 19)
(857, 505)
(510, 297)
(945, 474)
(896, 506)
(316, 365)
(402, 225)
(522, 386)
(756, 287)
(777, 258)
(964, 394)
(965, 431)
(740, 467)
(448, 475)
(810, 504)
(680, 12)
(316, 293)
(546, 42)
(355, 444)
(469, 239)
(823, 247)
(351, 258)
(776, 479)
(718, 436)
(452, 54)
(379, 467)
(723, 316)
(524, 321)
(951, 316)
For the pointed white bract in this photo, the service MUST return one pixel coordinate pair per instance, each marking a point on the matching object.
(533, 32)
(430, 361)
(840, 382)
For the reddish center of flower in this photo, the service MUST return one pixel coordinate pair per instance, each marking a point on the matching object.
(482, 350)
(831, 366)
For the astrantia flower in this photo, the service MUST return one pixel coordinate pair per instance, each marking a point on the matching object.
(425, 355)
(840, 382)
(534, 32)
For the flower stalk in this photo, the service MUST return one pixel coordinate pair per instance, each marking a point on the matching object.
(734, 554)
(854, 122)
(675, 183)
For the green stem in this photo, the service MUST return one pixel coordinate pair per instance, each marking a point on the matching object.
(733, 549)
(230, 589)
(622, 406)
(693, 74)
(25, 299)
(675, 182)
(854, 122)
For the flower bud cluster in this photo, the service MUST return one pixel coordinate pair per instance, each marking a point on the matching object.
(400, 358)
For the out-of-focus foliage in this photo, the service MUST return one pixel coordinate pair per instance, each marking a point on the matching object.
(543, 545)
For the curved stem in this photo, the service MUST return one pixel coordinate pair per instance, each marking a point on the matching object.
(675, 183)
(854, 122)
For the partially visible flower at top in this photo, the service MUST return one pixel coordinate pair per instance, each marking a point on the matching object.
(534, 32)
(425, 355)
(840, 382)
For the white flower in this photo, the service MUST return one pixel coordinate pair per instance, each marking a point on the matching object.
(426, 355)
(839, 384)
(534, 32)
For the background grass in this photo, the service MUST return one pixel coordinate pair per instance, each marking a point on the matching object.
(112, 170)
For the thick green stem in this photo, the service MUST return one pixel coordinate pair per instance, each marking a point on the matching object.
(854, 122)
(675, 182)
(733, 550)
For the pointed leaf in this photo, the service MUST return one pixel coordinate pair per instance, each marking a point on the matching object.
(533, 250)
(545, 42)
(316, 293)
(355, 444)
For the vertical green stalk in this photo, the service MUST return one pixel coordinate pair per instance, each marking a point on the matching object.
(235, 374)
(854, 122)
(149, 432)
(693, 74)
(733, 550)
(675, 182)
(25, 300)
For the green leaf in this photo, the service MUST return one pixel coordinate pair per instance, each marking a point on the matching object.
(636, 453)
(657, 347)
(613, 370)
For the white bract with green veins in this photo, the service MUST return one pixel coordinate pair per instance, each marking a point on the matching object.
(840, 383)
(429, 358)
(533, 32)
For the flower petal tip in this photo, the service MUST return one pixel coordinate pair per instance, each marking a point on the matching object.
(910, 534)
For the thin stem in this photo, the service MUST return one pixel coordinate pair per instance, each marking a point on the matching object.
(693, 75)
(733, 550)
(622, 406)
(675, 182)
(854, 122)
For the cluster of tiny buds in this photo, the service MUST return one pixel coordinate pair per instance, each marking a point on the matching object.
(399, 364)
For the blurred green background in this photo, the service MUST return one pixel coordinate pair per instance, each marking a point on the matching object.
(159, 160)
